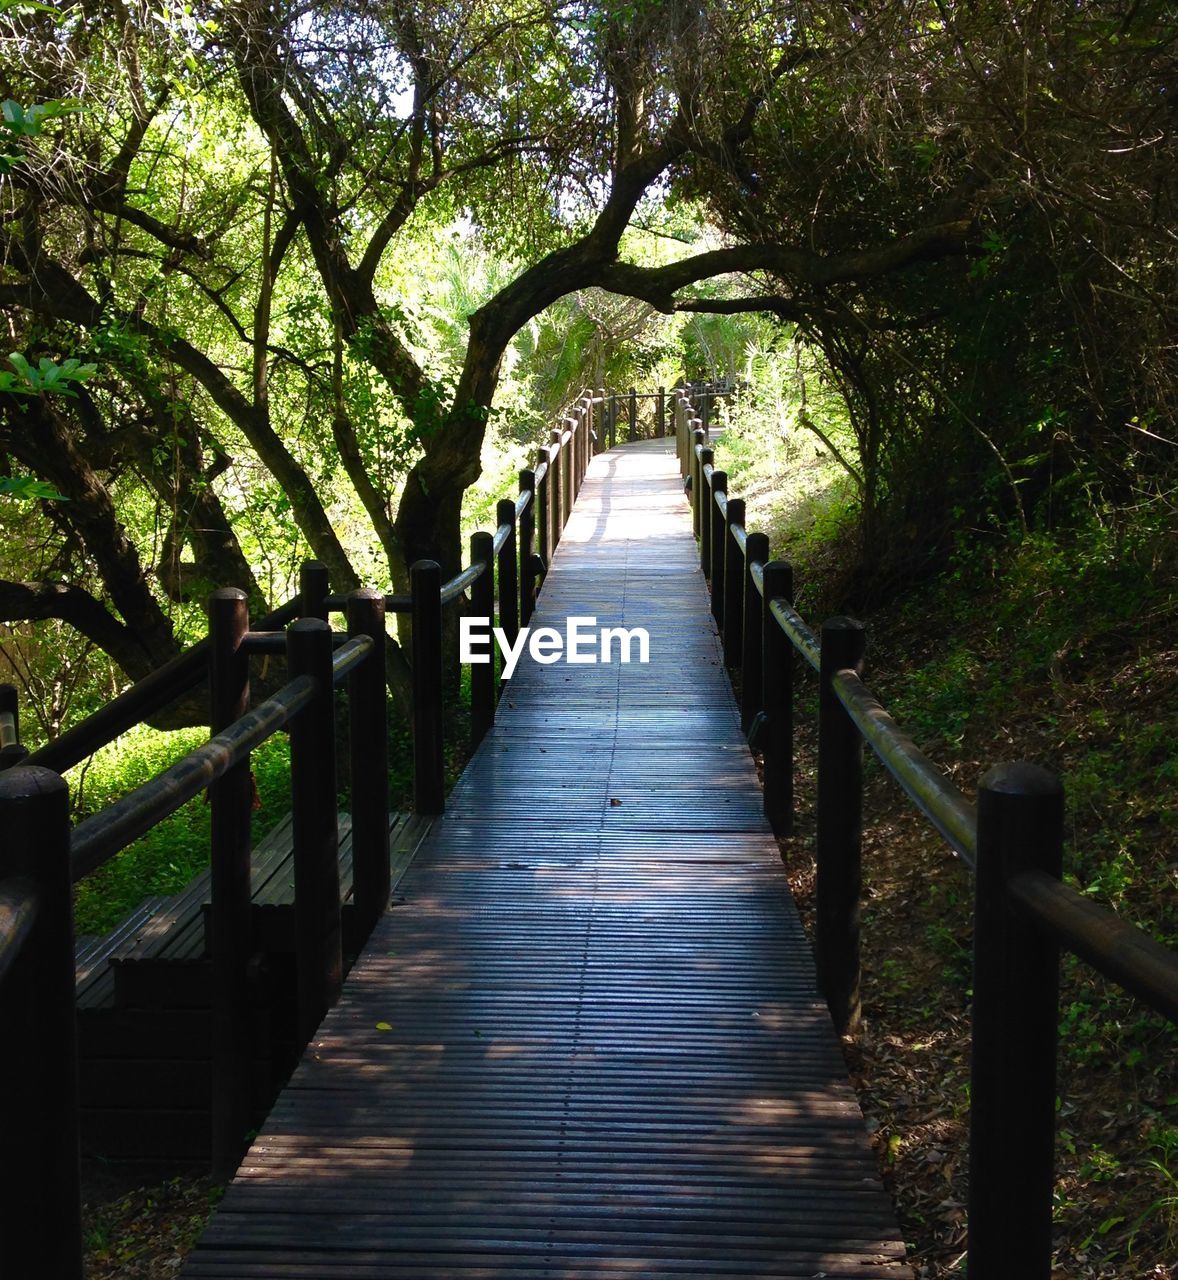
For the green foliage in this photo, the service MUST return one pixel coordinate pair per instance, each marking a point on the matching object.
(27, 488)
(46, 377)
(775, 444)
(167, 858)
(18, 123)
(29, 122)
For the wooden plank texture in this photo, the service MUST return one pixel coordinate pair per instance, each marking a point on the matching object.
(588, 1043)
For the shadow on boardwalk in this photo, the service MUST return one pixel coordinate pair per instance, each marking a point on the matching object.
(588, 1043)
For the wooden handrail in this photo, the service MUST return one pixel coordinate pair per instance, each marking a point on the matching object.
(100, 837)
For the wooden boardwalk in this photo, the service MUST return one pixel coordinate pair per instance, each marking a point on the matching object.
(588, 1043)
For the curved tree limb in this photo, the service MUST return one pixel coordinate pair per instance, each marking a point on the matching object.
(658, 285)
(36, 601)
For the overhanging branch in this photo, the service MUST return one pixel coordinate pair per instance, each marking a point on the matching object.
(38, 601)
(658, 285)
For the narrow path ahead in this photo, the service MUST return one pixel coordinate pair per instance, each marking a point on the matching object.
(588, 1043)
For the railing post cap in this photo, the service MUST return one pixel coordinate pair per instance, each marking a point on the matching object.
(227, 593)
(424, 566)
(841, 623)
(1020, 778)
(366, 593)
(31, 781)
(301, 625)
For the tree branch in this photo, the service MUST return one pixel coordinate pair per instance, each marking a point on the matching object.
(37, 601)
(55, 292)
(658, 285)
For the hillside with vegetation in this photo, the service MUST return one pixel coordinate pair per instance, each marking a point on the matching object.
(289, 281)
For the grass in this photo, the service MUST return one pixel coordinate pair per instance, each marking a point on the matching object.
(795, 493)
(167, 858)
(177, 849)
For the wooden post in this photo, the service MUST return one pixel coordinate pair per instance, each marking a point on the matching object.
(429, 774)
(602, 420)
(660, 414)
(586, 453)
(40, 1197)
(716, 545)
(840, 806)
(544, 508)
(507, 573)
(527, 549)
(11, 749)
(733, 584)
(702, 494)
(314, 588)
(590, 421)
(778, 662)
(684, 428)
(584, 431)
(230, 806)
(756, 551)
(314, 823)
(556, 488)
(1015, 1018)
(369, 761)
(568, 467)
(613, 419)
(482, 605)
(697, 481)
(568, 475)
(682, 440)
(633, 432)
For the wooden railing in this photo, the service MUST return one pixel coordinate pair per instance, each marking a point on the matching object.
(41, 857)
(1012, 841)
(621, 413)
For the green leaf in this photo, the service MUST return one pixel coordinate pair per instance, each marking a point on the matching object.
(28, 6)
(28, 122)
(26, 488)
(48, 378)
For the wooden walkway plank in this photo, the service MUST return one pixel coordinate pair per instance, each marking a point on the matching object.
(588, 1044)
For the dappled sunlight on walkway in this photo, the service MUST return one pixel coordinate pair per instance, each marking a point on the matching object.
(588, 1043)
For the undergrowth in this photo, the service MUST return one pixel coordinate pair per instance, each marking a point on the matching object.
(167, 858)
(1054, 648)
(1053, 645)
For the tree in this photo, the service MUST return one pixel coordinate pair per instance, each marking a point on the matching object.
(216, 228)
(1017, 382)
